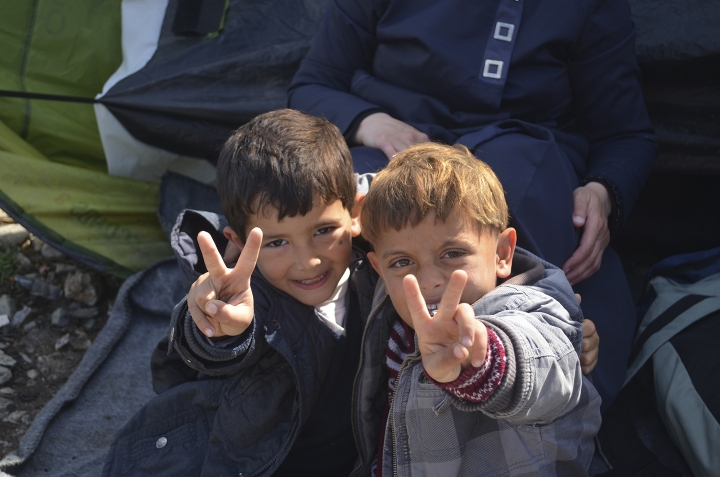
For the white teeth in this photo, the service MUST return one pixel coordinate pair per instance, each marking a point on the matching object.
(313, 280)
(432, 309)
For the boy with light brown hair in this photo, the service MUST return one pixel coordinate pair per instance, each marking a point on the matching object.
(482, 338)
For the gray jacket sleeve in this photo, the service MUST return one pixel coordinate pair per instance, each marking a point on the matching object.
(543, 380)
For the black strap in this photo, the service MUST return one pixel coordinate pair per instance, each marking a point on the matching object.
(50, 97)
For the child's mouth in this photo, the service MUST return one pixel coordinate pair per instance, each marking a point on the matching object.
(432, 308)
(313, 282)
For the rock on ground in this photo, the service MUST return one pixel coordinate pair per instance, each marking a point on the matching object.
(12, 235)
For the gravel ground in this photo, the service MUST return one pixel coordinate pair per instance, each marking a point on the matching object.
(51, 309)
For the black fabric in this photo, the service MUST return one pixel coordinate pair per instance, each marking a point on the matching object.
(179, 192)
(195, 91)
(325, 446)
(697, 347)
(198, 17)
(168, 370)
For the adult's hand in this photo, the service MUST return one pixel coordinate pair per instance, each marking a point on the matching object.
(591, 208)
(590, 347)
(382, 131)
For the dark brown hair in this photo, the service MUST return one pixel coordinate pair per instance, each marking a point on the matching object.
(284, 159)
(433, 178)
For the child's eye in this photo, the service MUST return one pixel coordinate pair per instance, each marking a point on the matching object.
(454, 254)
(324, 230)
(276, 243)
(403, 262)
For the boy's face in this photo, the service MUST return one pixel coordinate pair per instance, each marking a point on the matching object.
(432, 251)
(305, 256)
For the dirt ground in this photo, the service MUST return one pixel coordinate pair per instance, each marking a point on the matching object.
(43, 349)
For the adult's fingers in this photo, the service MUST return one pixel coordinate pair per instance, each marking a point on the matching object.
(587, 258)
(388, 149)
(581, 202)
(213, 260)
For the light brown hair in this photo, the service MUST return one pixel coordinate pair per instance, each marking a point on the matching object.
(433, 178)
(284, 159)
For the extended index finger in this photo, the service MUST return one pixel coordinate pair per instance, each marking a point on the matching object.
(249, 255)
(213, 260)
(451, 297)
(415, 301)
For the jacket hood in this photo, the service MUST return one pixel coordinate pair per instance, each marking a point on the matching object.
(531, 270)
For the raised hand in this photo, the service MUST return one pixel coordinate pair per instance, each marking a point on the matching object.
(450, 340)
(221, 301)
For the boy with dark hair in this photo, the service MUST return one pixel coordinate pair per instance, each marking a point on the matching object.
(288, 356)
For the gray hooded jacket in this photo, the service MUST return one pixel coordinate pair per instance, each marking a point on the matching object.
(542, 419)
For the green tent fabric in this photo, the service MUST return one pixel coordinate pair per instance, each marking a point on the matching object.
(53, 173)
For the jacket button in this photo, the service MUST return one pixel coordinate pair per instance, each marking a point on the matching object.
(160, 443)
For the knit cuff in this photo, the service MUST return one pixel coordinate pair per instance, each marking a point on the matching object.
(478, 384)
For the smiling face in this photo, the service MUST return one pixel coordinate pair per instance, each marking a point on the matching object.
(432, 251)
(306, 255)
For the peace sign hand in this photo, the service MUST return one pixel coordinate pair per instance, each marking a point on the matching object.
(220, 301)
(452, 339)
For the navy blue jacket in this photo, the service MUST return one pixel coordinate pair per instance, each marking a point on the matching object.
(567, 66)
(245, 421)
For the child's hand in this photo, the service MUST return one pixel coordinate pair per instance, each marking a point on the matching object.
(452, 339)
(221, 301)
(590, 347)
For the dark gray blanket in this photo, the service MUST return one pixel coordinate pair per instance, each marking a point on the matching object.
(72, 433)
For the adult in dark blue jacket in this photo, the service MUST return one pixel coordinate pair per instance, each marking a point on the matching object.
(546, 91)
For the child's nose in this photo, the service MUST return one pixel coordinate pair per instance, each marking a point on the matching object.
(306, 259)
(430, 280)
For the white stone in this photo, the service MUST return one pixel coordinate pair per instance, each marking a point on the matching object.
(6, 360)
(59, 318)
(16, 417)
(8, 306)
(4, 403)
(50, 253)
(64, 268)
(32, 374)
(4, 320)
(7, 391)
(37, 243)
(62, 341)
(5, 375)
(22, 263)
(78, 287)
(20, 316)
(12, 235)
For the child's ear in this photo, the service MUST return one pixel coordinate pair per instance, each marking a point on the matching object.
(233, 237)
(355, 227)
(505, 252)
(374, 262)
